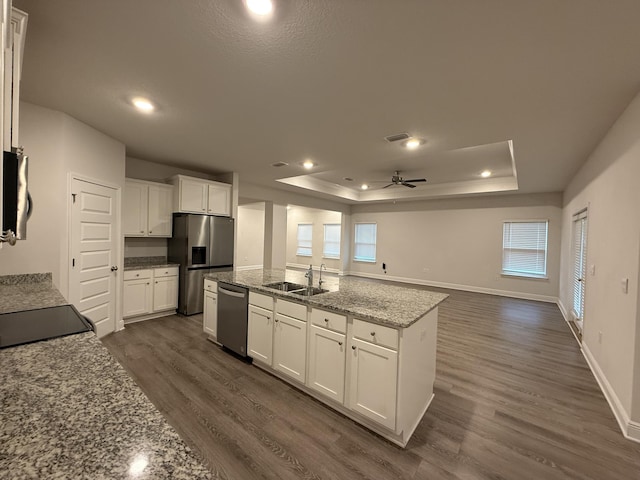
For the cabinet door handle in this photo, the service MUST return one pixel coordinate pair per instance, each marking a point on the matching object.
(141, 231)
(276, 320)
(150, 231)
(373, 334)
(137, 274)
(340, 343)
(147, 283)
(156, 281)
(326, 320)
(353, 347)
(268, 318)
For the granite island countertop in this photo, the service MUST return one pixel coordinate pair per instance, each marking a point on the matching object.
(380, 303)
(28, 292)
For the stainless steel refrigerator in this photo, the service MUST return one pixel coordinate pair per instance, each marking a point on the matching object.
(201, 244)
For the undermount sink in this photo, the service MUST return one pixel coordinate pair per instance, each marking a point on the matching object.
(309, 291)
(296, 288)
(285, 286)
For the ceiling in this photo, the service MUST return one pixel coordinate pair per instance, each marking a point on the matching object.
(524, 89)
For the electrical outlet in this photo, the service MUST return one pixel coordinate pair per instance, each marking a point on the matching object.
(599, 337)
(624, 283)
(592, 270)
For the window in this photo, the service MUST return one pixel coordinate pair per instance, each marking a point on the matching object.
(305, 234)
(365, 242)
(579, 264)
(524, 248)
(331, 246)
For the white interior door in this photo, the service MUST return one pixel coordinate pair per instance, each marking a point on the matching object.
(94, 246)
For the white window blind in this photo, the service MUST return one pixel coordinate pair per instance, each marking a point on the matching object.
(305, 235)
(331, 246)
(579, 263)
(365, 242)
(524, 248)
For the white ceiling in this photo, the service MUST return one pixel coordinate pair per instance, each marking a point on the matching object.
(329, 79)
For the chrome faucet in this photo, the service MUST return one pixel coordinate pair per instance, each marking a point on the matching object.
(322, 265)
(309, 275)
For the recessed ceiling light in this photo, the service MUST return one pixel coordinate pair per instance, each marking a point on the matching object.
(308, 164)
(485, 174)
(413, 143)
(364, 186)
(143, 104)
(259, 7)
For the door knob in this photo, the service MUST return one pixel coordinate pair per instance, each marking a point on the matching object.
(114, 268)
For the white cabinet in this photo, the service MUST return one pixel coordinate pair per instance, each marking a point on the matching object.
(150, 293)
(327, 362)
(210, 312)
(138, 293)
(374, 377)
(290, 340)
(147, 209)
(12, 71)
(196, 195)
(260, 334)
(165, 289)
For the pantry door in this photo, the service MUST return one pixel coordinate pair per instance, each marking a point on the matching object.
(93, 252)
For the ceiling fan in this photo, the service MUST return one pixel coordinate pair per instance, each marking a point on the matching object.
(396, 179)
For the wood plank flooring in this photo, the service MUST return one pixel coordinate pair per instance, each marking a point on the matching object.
(515, 399)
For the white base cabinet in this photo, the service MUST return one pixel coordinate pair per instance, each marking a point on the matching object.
(327, 362)
(210, 311)
(290, 347)
(150, 293)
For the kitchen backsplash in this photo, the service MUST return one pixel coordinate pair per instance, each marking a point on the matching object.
(145, 247)
(25, 278)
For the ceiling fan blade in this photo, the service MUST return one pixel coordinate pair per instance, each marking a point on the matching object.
(416, 180)
(408, 185)
(391, 184)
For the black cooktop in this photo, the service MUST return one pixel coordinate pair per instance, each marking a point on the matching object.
(29, 326)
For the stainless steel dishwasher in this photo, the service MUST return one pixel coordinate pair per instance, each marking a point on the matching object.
(233, 306)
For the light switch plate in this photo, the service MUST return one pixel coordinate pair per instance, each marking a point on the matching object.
(592, 270)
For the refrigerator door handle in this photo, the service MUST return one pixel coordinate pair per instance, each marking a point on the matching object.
(230, 293)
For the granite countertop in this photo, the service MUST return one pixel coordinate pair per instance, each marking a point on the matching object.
(28, 292)
(142, 263)
(384, 304)
(69, 410)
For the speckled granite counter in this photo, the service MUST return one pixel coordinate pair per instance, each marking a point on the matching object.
(27, 292)
(141, 263)
(69, 410)
(385, 304)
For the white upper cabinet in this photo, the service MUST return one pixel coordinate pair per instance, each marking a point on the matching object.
(196, 195)
(146, 209)
(12, 71)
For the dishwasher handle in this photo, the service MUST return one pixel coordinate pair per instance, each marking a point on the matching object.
(230, 293)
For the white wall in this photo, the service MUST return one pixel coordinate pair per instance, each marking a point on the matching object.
(57, 144)
(145, 247)
(457, 243)
(250, 236)
(317, 218)
(608, 185)
(158, 172)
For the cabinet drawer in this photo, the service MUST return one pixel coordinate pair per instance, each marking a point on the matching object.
(165, 272)
(376, 334)
(291, 309)
(264, 301)
(136, 274)
(330, 320)
(211, 285)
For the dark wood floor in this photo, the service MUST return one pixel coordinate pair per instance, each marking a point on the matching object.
(515, 399)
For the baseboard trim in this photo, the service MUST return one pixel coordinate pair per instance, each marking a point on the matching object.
(456, 286)
(304, 266)
(248, 267)
(630, 430)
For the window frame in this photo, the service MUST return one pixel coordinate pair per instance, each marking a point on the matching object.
(511, 272)
(355, 243)
(324, 240)
(299, 246)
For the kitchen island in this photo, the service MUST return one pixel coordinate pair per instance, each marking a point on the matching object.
(366, 349)
(69, 410)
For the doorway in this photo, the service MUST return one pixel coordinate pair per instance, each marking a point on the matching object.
(93, 252)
